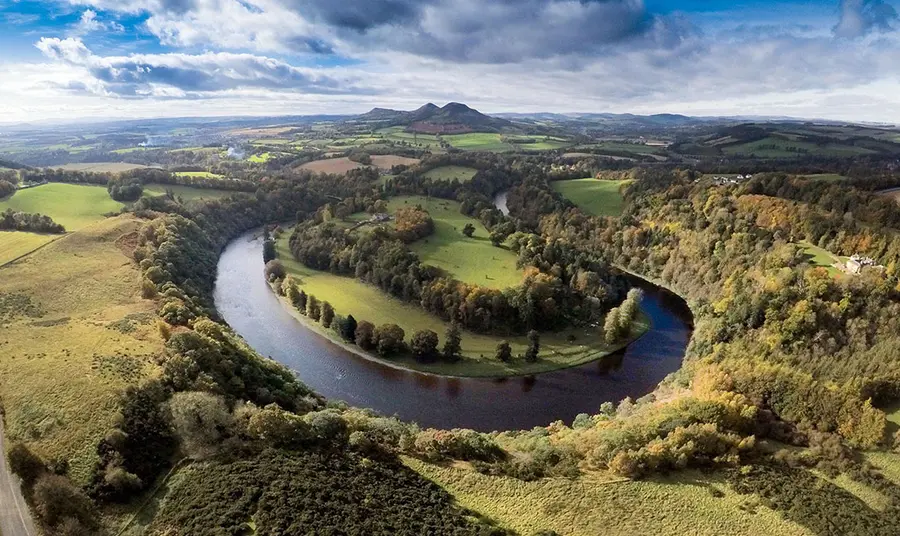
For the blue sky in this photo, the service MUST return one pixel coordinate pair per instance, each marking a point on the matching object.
(68, 59)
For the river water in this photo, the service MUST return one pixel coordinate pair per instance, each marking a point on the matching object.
(245, 301)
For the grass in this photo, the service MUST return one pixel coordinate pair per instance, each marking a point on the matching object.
(827, 177)
(198, 174)
(685, 503)
(817, 256)
(397, 134)
(622, 147)
(596, 197)
(14, 244)
(332, 165)
(448, 173)
(261, 158)
(74, 333)
(479, 141)
(472, 260)
(187, 193)
(101, 167)
(775, 147)
(366, 302)
(72, 205)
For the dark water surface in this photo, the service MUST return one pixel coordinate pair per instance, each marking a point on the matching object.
(243, 298)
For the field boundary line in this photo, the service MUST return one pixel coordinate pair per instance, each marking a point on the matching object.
(20, 257)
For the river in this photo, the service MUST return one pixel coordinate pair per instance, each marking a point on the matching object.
(244, 300)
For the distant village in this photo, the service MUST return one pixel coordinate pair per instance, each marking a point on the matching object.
(735, 179)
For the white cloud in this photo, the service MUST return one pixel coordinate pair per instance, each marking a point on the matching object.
(89, 23)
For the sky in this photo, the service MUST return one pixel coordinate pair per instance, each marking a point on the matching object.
(98, 59)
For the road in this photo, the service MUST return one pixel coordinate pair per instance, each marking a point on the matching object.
(15, 518)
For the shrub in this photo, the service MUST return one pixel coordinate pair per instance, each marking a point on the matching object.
(389, 339)
(424, 344)
(365, 335)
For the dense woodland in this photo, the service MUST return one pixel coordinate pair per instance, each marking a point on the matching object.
(782, 354)
(11, 220)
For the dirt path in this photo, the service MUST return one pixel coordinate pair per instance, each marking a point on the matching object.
(15, 518)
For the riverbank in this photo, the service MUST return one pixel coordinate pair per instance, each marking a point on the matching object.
(468, 367)
(248, 305)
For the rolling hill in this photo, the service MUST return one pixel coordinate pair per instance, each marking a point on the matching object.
(454, 118)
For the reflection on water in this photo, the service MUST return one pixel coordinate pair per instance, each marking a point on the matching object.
(246, 303)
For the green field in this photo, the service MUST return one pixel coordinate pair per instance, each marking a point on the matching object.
(448, 173)
(198, 174)
(539, 143)
(776, 147)
(398, 134)
(622, 147)
(72, 205)
(187, 193)
(827, 177)
(817, 256)
(260, 158)
(472, 260)
(479, 141)
(101, 167)
(596, 197)
(14, 244)
(366, 302)
(687, 502)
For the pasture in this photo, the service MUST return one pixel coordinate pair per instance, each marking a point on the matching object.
(539, 143)
(332, 165)
(596, 197)
(687, 502)
(101, 167)
(186, 193)
(76, 330)
(260, 158)
(366, 302)
(198, 174)
(387, 161)
(479, 141)
(397, 134)
(14, 244)
(781, 147)
(449, 173)
(826, 177)
(472, 260)
(72, 205)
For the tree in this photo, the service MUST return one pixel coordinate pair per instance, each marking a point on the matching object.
(312, 308)
(201, 421)
(469, 230)
(389, 339)
(424, 344)
(269, 250)
(289, 289)
(504, 352)
(348, 328)
(611, 326)
(365, 335)
(302, 299)
(452, 340)
(275, 271)
(534, 346)
(327, 314)
(55, 499)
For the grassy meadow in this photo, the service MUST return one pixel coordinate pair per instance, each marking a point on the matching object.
(827, 177)
(687, 502)
(779, 147)
(198, 174)
(448, 173)
(817, 256)
(101, 167)
(74, 328)
(72, 205)
(14, 244)
(472, 260)
(596, 197)
(478, 141)
(366, 302)
(186, 193)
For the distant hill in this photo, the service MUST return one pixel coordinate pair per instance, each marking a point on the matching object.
(454, 118)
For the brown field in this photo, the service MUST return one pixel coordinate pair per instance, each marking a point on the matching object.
(387, 161)
(332, 165)
(101, 167)
(893, 193)
(262, 131)
(74, 332)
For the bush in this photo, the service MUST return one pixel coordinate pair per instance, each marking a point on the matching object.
(365, 335)
(56, 499)
(25, 464)
(275, 271)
